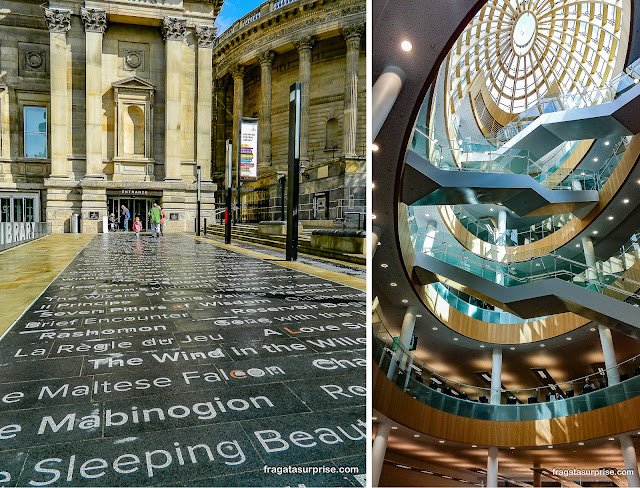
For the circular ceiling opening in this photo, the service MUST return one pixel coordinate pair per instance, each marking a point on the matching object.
(524, 33)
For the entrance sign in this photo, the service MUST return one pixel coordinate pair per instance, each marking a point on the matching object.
(248, 151)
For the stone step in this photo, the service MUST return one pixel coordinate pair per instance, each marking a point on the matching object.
(279, 242)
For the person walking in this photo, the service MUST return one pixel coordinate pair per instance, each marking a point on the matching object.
(162, 217)
(125, 216)
(137, 226)
(155, 217)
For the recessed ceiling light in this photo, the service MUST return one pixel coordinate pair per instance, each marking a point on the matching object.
(405, 301)
(593, 329)
(416, 435)
(582, 174)
(594, 232)
(595, 160)
(512, 448)
(434, 328)
(482, 346)
(418, 315)
(610, 217)
(606, 143)
(474, 446)
(379, 243)
(426, 215)
(577, 245)
(541, 345)
(394, 427)
(394, 284)
(512, 348)
(441, 442)
(373, 185)
(491, 209)
(638, 181)
(374, 147)
(384, 265)
(626, 200)
(373, 216)
(406, 46)
(581, 443)
(611, 439)
(568, 338)
(374, 418)
(550, 447)
(455, 338)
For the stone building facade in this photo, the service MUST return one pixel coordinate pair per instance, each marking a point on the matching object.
(321, 44)
(110, 102)
(105, 103)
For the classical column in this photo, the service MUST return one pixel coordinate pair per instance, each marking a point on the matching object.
(400, 356)
(305, 45)
(378, 451)
(174, 30)
(496, 376)
(352, 35)
(264, 148)
(59, 22)
(205, 34)
(95, 23)
(238, 107)
(383, 96)
(221, 125)
(492, 468)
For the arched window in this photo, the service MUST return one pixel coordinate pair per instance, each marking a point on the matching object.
(134, 131)
(331, 134)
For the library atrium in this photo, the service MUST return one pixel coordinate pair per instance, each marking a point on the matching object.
(505, 209)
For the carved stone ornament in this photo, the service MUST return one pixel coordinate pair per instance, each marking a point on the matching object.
(34, 60)
(237, 71)
(174, 28)
(133, 60)
(94, 19)
(306, 43)
(353, 32)
(266, 58)
(206, 35)
(57, 20)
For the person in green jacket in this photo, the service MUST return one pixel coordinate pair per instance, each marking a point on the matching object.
(154, 218)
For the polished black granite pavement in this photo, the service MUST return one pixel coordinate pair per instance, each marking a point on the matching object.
(172, 361)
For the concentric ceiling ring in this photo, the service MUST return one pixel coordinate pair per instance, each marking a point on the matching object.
(528, 48)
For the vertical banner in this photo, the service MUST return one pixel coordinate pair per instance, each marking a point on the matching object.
(248, 155)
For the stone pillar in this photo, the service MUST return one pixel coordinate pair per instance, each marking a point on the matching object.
(408, 322)
(238, 107)
(58, 22)
(95, 23)
(613, 378)
(492, 468)
(205, 34)
(378, 451)
(590, 258)
(610, 363)
(174, 30)
(496, 376)
(305, 45)
(264, 148)
(221, 125)
(630, 459)
(383, 96)
(376, 232)
(352, 35)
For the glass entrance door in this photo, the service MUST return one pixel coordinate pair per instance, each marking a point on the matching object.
(138, 207)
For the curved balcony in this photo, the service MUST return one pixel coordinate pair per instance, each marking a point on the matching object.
(541, 406)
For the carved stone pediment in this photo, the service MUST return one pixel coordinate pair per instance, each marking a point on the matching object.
(134, 83)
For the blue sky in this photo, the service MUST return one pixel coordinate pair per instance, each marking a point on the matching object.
(232, 10)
